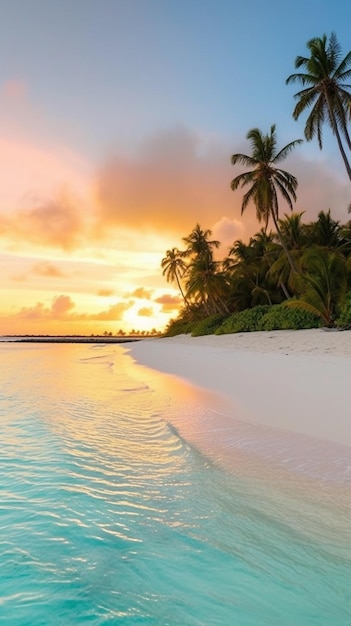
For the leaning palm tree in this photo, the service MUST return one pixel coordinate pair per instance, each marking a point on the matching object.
(174, 268)
(266, 180)
(326, 91)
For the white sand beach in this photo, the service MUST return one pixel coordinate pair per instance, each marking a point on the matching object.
(295, 382)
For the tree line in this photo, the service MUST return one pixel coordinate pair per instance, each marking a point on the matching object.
(308, 266)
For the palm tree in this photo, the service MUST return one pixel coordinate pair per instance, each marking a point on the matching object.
(208, 286)
(295, 236)
(174, 268)
(266, 180)
(325, 90)
(326, 231)
(199, 244)
(247, 267)
(323, 284)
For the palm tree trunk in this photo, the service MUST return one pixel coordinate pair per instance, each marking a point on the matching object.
(182, 292)
(283, 244)
(341, 147)
(284, 290)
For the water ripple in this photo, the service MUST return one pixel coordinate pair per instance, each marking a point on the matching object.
(107, 515)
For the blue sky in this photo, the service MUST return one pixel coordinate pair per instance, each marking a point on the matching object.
(107, 73)
(117, 122)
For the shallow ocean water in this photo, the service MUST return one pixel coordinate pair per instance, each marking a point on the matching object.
(109, 514)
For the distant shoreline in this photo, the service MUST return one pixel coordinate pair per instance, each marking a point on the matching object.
(67, 339)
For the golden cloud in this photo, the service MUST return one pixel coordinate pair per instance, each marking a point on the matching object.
(141, 293)
(114, 313)
(105, 292)
(146, 312)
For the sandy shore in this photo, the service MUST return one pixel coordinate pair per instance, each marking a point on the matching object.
(295, 381)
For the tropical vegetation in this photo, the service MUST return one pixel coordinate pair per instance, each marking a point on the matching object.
(297, 274)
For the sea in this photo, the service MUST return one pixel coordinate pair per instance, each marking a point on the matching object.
(118, 508)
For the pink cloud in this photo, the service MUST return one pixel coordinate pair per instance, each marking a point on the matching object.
(177, 180)
(62, 310)
(169, 302)
(13, 90)
(45, 268)
(55, 222)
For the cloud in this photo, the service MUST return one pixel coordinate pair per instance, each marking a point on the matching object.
(13, 90)
(141, 293)
(45, 268)
(59, 309)
(61, 305)
(114, 313)
(55, 222)
(178, 179)
(169, 302)
(62, 310)
(146, 312)
(227, 231)
(322, 185)
(105, 292)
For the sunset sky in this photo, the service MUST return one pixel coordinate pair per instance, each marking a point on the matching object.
(117, 122)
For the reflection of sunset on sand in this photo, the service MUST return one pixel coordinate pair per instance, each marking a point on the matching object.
(284, 388)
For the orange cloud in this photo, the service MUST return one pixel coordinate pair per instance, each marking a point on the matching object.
(114, 313)
(146, 312)
(61, 310)
(174, 182)
(52, 223)
(169, 302)
(177, 179)
(45, 268)
(105, 292)
(141, 293)
(61, 305)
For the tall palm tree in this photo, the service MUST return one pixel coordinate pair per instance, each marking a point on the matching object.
(326, 91)
(266, 180)
(174, 268)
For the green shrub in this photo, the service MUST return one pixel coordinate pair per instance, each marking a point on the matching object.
(243, 321)
(283, 317)
(178, 327)
(344, 319)
(208, 325)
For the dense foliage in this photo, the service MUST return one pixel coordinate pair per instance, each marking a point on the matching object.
(299, 275)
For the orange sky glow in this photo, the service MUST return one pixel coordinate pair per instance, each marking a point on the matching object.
(82, 242)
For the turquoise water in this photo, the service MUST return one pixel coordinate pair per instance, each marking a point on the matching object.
(109, 516)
